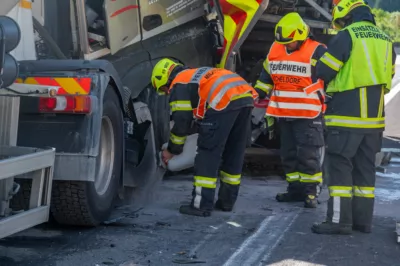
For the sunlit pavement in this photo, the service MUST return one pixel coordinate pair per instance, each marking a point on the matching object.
(259, 232)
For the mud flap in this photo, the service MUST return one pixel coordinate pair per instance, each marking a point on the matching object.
(141, 181)
(238, 19)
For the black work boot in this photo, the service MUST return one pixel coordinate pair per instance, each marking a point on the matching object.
(294, 192)
(289, 197)
(362, 228)
(329, 228)
(220, 206)
(310, 201)
(189, 210)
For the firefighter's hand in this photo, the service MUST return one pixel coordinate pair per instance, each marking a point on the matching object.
(270, 126)
(166, 156)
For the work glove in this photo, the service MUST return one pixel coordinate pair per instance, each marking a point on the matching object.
(270, 126)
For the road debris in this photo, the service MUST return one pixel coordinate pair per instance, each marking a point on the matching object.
(188, 261)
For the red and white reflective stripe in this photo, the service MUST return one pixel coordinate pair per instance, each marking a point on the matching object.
(293, 110)
(317, 86)
(295, 106)
(291, 68)
(295, 94)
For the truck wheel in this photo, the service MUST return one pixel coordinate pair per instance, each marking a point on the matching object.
(90, 203)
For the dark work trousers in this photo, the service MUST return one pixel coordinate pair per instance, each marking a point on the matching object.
(220, 152)
(351, 181)
(301, 145)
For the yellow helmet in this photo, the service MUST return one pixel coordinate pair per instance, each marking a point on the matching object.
(161, 72)
(342, 9)
(291, 28)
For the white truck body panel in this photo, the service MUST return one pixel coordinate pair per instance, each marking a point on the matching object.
(21, 12)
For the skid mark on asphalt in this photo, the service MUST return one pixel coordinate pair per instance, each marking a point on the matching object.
(258, 247)
(208, 236)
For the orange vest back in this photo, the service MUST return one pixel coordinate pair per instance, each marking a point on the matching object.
(291, 74)
(217, 87)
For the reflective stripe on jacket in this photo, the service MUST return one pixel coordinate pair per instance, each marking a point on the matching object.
(217, 88)
(291, 74)
(358, 89)
(369, 64)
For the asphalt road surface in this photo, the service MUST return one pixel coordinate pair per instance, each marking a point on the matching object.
(259, 232)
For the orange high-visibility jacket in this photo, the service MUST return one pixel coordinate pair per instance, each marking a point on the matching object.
(217, 87)
(291, 74)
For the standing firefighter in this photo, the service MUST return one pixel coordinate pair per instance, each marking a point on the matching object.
(358, 68)
(289, 70)
(222, 101)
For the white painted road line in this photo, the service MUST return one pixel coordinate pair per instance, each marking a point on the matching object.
(288, 221)
(260, 245)
(208, 236)
(390, 175)
(395, 160)
(390, 150)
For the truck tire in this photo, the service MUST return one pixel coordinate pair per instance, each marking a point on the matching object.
(90, 203)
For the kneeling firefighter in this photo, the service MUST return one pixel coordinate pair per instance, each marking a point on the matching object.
(297, 100)
(222, 102)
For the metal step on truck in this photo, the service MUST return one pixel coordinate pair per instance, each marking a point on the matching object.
(83, 90)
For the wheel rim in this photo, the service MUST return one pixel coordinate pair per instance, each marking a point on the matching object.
(105, 163)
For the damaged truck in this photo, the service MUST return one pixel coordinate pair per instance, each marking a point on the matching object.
(105, 122)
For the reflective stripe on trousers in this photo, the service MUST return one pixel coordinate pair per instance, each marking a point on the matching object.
(230, 179)
(207, 182)
(201, 182)
(306, 178)
(292, 177)
(338, 192)
(364, 192)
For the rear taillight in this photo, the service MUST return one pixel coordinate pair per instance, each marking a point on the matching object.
(65, 104)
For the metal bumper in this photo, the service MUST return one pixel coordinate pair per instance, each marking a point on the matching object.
(19, 161)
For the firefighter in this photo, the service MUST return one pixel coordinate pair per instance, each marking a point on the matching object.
(222, 103)
(288, 72)
(358, 69)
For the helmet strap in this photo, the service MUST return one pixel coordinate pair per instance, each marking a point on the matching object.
(346, 21)
(176, 71)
